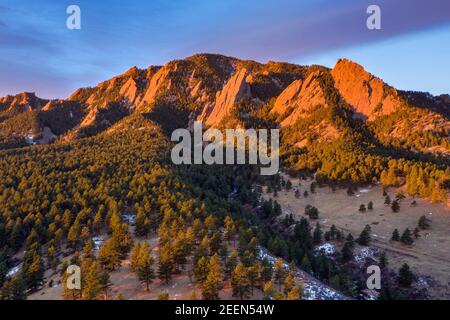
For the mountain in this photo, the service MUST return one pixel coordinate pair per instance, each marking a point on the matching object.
(318, 109)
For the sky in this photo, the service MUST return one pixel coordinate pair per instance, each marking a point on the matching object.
(38, 53)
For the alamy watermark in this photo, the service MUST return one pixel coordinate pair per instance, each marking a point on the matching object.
(373, 22)
(208, 147)
(74, 19)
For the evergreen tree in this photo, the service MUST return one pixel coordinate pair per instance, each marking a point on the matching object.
(383, 260)
(370, 205)
(295, 293)
(213, 282)
(317, 235)
(201, 270)
(406, 237)
(279, 272)
(91, 282)
(347, 252)
(145, 266)
(166, 263)
(395, 235)
(424, 223)
(105, 283)
(268, 290)
(134, 256)
(405, 276)
(306, 264)
(240, 282)
(108, 256)
(395, 207)
(289, 283)
(364, 237)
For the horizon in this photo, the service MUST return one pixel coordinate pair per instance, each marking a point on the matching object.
(39, 54)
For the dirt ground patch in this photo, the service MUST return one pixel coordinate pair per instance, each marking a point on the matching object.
(428, 256)
(126, 283)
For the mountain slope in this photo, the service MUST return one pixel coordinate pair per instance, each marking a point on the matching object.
(344, 122)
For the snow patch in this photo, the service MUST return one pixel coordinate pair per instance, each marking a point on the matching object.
(12, 272)
(327, 248)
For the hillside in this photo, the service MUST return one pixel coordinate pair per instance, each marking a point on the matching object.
(99, 169)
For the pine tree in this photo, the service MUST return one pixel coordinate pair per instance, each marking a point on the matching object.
(134, 256)
(362, 208)
(91, 282)
(306, 264)
(145, 266)
(424, 223)
(406, 237)
(213, 282)
(254, 274)
(279, 272)
(370, 205)
(395, 235)
(33, 270)
(317, 235)
(295, 293)
(230, 263)
(405, 276)
(105, 283)
(364, 237)
(166, 263)
(201, 270)
(387, 200)
(268, 290)
(239, 282)
(395, 207)
(347, 252)
(108, 256)
(289, 283)
(383, 260)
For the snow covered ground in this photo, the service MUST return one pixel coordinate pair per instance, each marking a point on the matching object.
(313, 289)
(366, 252)
(12, 272)
(327, 249)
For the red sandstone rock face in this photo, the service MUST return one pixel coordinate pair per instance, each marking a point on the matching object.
(235, 90)
(25, 101)
(298, 98)
(368, 95)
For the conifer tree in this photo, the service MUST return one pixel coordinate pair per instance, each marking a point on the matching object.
(295, 293)
(317, 235)
(201, 270)
(239, 282)
(145, 266)
(108, 256)
(213, 282)
(395, 206)
(406, 237)
(364, 237)
(395, 235)
(166, 263)
(424, 223)
(405, 276)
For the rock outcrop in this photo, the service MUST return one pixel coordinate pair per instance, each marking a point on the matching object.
(235, 90)
(367, 94)
(299, 97)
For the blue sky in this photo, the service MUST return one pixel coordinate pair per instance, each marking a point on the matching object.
(38, 53)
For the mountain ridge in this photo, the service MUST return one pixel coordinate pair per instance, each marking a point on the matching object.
(209, 87)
